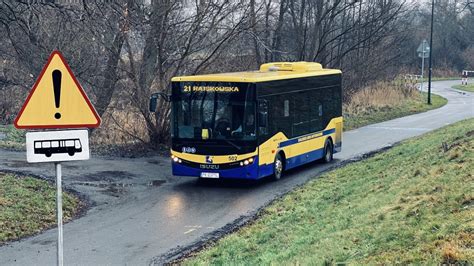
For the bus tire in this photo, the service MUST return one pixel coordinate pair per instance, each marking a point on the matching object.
(278, 167)
(71, 153)
(328, 151)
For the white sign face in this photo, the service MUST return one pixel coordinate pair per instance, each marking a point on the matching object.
(57, 146)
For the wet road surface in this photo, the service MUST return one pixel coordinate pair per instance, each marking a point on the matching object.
(141, 212)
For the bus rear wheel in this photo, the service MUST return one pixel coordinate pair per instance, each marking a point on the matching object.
(277, 167)
(328, 151)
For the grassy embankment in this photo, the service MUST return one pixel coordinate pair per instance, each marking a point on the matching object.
(411, 204)
(28, 206)
(468, 87)
(385, 101)
(12, 138)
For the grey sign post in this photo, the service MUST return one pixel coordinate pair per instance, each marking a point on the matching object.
(59, 211)
(58, 146)
(43, 110)
(423, 52)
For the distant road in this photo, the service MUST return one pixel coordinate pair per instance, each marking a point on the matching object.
(141, 211)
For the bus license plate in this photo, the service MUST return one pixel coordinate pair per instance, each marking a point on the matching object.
(210, 175)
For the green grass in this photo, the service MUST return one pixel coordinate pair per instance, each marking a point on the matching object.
(377, 115)
(411, 205)
(28, 206)
(468, 87)
(425, 79)
(14, 138)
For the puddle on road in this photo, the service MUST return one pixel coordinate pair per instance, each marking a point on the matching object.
(111, 189)
(115, 189)
(108, 176)
(103, 185)
(155, 162)
(156, 183)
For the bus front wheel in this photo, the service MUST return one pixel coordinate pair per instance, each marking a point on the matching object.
(277, 167)
(328, 151)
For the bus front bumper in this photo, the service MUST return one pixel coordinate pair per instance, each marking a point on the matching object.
(241, 172)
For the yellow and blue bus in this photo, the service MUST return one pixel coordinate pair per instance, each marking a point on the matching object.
(254, 124)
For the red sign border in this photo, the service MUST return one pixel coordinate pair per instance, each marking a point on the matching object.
(77, 85)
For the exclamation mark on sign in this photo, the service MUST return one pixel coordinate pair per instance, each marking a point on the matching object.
(57, 90)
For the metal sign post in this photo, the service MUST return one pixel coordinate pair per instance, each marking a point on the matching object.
(423, 50)
(59, 212)
(57, 101)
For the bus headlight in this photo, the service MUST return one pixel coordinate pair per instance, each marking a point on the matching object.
(176, 159)
(246, 161)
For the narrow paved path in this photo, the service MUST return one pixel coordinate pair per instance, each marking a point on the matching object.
(141, 211)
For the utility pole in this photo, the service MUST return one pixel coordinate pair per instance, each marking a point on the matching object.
(431, 53)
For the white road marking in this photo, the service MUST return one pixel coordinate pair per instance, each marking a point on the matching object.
(189, 231)
(193, 226)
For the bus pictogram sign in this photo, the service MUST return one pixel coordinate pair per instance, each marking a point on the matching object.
(57, 146)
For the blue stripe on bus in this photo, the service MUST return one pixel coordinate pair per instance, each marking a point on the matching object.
(304, 158)
(253, 171)
(267, 169)
(295, 140)
(242, 172)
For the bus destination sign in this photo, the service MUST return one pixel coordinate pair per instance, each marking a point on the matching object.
(188, 88)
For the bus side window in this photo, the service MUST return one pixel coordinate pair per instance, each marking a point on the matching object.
(46, 144)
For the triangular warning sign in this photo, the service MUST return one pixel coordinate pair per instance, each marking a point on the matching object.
(57, 100)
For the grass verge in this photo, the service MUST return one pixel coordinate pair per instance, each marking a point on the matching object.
(377, 114)
(28, 206)
(411, 204)
(440, 78)
(468, 87)
(12, 138)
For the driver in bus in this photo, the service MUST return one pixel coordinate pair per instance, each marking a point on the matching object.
(249, 128)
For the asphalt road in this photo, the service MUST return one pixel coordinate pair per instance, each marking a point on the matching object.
(141, 212)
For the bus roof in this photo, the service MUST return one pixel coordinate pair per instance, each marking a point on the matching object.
(267, 72)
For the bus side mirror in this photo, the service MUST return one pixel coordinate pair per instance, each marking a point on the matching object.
(153, 103)
(263, 113)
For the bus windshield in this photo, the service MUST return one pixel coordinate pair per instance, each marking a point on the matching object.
(214, 110)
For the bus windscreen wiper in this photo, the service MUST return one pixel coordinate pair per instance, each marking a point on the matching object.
(233, 144)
